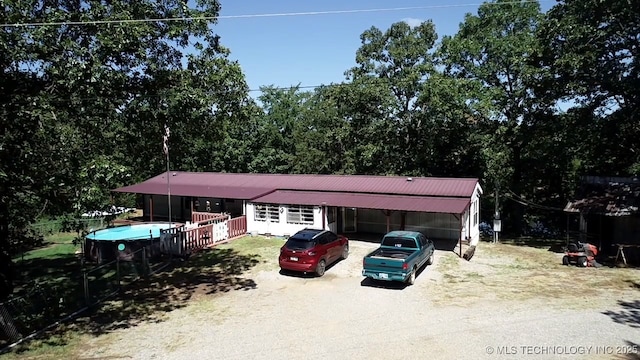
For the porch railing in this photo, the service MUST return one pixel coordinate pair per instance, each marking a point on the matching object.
(184, 240)
(198, 216)
(237, 226)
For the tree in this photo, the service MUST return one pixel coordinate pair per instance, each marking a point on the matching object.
(592, 49)
(83, 105)
(394, 63)
(493, 50)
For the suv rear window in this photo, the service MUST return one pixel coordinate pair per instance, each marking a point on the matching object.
(299, 244)
(399, 242)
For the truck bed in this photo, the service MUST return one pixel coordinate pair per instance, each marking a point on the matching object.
(400, 254)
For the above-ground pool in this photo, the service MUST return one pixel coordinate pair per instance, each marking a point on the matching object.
(124, 242)
(130, 232)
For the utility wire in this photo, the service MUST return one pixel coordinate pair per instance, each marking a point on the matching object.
(513, 196)
(267, 15)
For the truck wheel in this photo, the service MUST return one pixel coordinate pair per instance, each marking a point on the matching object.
(322, 265)
(430, 260)
(412, 277)
(345, 252)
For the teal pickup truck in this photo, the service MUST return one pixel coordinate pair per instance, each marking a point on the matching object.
(399, 257)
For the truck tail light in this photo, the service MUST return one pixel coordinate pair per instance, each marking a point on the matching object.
(405, 266)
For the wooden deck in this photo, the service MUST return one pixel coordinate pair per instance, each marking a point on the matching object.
(206, 230)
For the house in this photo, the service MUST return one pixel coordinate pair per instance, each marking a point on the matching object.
(280, 205)
(608, 210)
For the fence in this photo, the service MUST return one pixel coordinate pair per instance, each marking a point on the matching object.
(38, 305)
(237, 226)
(68, 225)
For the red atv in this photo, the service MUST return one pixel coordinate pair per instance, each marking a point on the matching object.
(580, 254)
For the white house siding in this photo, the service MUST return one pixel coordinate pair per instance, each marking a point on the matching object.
(474, 208)
(279, 226)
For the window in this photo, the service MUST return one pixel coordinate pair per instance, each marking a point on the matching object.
(475, 213)
(423, 240)
(300, 215)
(267, 212)
(331, 237)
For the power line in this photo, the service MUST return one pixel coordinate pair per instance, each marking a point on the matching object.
(267, 15)
(513, 196)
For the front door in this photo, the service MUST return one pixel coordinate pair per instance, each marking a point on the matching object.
(349, 220)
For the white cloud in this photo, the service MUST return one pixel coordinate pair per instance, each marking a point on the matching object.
(412, 22)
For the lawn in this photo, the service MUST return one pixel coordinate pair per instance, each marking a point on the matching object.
(518, 272)
(204, 275)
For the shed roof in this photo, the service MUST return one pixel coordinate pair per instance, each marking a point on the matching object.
(612, 198)
(249, 186)
(450, 205)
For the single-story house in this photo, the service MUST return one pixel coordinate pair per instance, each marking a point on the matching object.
(280, 205)
(608, 209)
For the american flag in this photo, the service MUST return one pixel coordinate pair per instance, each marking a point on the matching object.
(165, 140)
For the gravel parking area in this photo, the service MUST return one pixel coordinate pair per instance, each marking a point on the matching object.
(340, 316)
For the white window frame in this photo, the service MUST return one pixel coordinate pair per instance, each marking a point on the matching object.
(300, 215)
(266, 213)
(475, 213)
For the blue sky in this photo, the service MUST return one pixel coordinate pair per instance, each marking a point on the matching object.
(318, 49)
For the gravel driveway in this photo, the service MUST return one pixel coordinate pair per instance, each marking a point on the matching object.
(337, 316)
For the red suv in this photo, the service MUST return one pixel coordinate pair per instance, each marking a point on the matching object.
(311, 250)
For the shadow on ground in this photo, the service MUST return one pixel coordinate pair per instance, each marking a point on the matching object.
(207, 273)
(629, 312)
(629, 351)
(553, 245)
(308, 275)
(390, 285)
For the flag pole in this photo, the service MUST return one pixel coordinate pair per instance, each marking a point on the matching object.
(166, 151)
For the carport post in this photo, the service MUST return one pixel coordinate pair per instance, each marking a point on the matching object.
(388, 213)
(150, 207)
(460, 236)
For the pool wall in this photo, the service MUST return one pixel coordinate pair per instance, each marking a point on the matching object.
(124, 242)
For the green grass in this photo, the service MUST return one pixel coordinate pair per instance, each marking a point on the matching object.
(56, 245)
(266, 249)
(60, 345)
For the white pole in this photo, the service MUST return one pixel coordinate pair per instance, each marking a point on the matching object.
(166, 148)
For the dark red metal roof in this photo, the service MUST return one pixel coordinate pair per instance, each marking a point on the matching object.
(249, 186)
(449, 205)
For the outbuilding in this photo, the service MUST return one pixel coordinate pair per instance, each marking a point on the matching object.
(280, 205)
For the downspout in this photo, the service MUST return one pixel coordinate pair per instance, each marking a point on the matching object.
(324, 217)
(469, 222)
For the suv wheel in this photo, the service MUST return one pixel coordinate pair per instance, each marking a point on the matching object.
(322, 266)
(345, 252)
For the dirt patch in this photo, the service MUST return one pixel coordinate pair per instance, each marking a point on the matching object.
(516, 273)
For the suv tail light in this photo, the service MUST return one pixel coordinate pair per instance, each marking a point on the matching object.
(312, 253)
